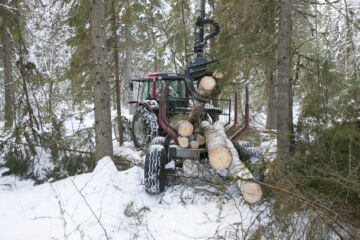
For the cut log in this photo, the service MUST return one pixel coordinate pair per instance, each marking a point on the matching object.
(251, 191)
(174, 120)
(205, 88)
(194, 144)
(219, 155)
(206, 85)
(200, 139)
(217, 75)
(185, 128)
(183, 142)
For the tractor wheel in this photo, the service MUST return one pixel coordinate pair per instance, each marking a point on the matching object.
(154, 169)
(144, 127)
(158, 141)
(253, 159)
(163, 141)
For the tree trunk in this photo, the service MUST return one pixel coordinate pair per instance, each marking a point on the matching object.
(271, 99)
(101, 88)
(205, 88)
(9, 89)
(270, 67)
(219, 154)
(117, 77)
(283, 93)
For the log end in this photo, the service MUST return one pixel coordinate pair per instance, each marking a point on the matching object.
(200, 139)
(251, 191)
(185, 129)
(183, 142)
(220, 158)
(194, 144)
(218, 75)
(207, 83)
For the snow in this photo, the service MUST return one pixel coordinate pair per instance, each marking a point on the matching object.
(128, 152)
(170, 165)
(110, 203)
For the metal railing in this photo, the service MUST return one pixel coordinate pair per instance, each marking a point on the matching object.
(216, 109)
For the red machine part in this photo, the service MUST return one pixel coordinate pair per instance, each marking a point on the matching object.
(247, 117)
(164, 124)
(151, 75)
(235, 115)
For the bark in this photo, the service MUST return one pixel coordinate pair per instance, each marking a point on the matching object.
(271, 99)
(270, 29)
(24, 75)
(127, 64)
(101, 88)
(205, 88)
(200, 139)
(128, 54)
(9, 85)
(184, 30)
(117, 74)
(283, 93)
(212, 40)
(219, 154)
(350, 33)
(215, 93)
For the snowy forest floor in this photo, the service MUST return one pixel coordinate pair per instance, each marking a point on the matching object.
(112, 204)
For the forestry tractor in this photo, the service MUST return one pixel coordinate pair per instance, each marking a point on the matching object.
(169, 110)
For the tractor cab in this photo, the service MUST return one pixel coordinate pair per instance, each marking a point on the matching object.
(149, 87)
(152, 83)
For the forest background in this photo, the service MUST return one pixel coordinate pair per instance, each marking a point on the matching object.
(299, 58)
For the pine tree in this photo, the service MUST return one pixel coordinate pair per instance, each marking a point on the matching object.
(9, 84)
(284, 84)
(103, 134)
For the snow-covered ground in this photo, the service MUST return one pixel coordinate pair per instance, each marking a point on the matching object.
(112, 204)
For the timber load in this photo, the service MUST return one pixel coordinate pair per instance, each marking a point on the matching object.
(221, 152)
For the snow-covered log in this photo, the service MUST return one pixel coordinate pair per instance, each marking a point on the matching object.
(218, 152)
(205, 88)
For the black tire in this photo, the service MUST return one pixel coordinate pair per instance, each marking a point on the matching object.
(253, 159)
(154, 169)
(241, 147)
(158, 141)
(144, 127)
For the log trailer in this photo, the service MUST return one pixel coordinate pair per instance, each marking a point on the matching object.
(176, 123)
